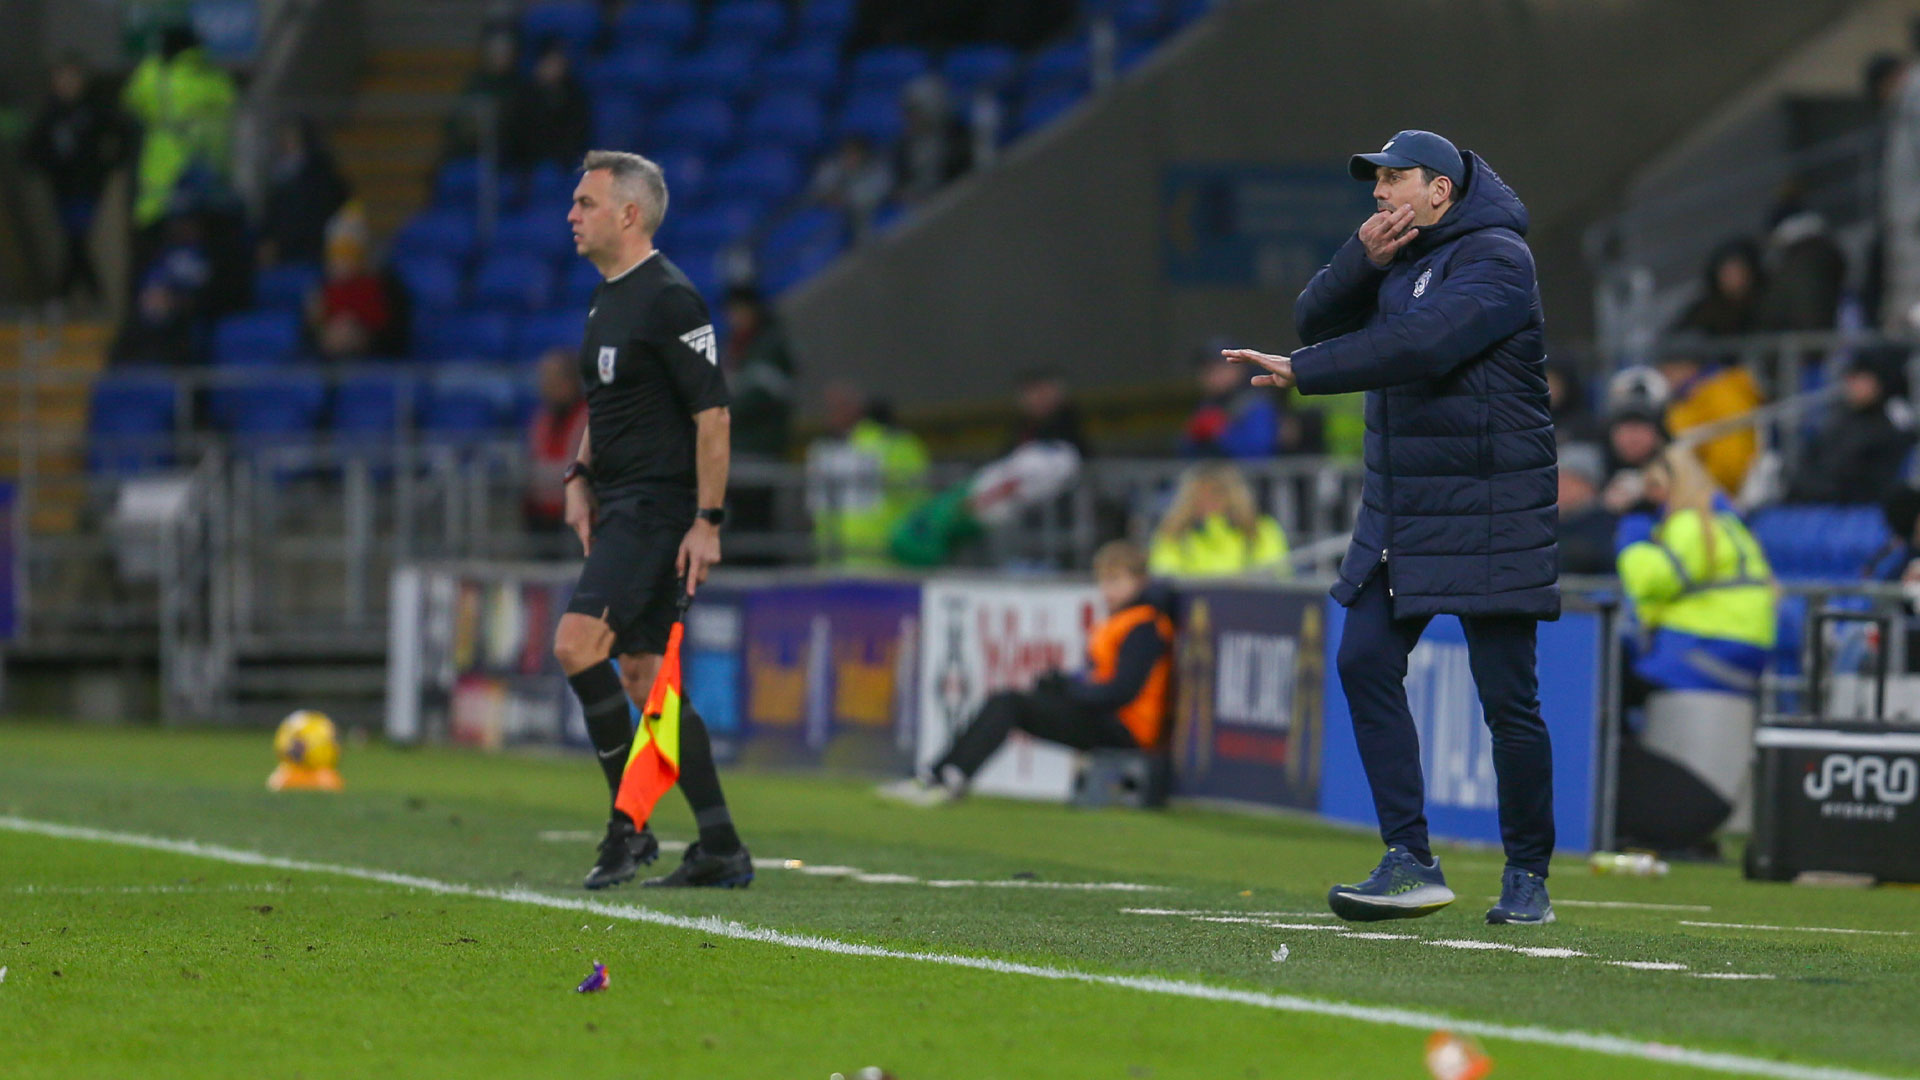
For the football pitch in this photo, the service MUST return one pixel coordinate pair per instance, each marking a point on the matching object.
(162, 914)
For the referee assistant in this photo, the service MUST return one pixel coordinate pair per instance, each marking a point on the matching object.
(644, 494)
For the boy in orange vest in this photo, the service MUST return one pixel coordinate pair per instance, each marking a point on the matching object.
(1119, 702)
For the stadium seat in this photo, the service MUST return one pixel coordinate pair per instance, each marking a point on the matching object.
(616, 122)
(699, 123)
(130, 422)
(888, 68)
(1820, 542)
(462, 335)
(549, 188)
(513, 282)
(1037, 112)
(971, 67)
(766, 173)
(1188, 11)
(286, 287)
(580, 279)
(655, 24)
(459, 401)
(632, 71)
(575, 22)
(540, 231)
(1068, 64)
(889, 215)
(550, 330)
(457, 184)
(686, 173)
(752, 22)
(1138, 20)
(727, 71)
(800, 245)
(806, 68)
(874, 115)
(705, 268)
(826, 21)
(256, 337)
(440, 231)
(283, 408)
(716, 225)
(786, 118)
(432, 281)
(371, 404)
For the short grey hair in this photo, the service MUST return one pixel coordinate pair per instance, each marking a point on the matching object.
(636, 180)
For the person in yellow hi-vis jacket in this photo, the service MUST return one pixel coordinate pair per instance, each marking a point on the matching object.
(1213, 530)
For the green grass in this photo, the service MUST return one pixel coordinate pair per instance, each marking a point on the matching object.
(168, 966)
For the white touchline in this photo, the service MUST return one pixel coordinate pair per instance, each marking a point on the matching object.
(1807, 929)
(1634, 905)
(1595, 1042)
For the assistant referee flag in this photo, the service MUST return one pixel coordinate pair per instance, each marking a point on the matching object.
(653, 766)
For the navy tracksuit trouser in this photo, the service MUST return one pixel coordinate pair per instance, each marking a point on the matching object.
(1500, 651)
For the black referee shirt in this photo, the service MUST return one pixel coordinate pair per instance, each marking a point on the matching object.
(650, 363)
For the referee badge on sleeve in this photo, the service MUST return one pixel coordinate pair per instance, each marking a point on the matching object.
(608, 353)
(701, 341)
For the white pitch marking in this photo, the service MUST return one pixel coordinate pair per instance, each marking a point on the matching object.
(1612, 1045)
(1806, 929)
(1724, 975)
(1550, 953)
(1467, 944)
(1648, 965)
(1269, 923)
(887, 879)
(1634, 905)
(1250, 914)
(1016, 883)
(1374, 935)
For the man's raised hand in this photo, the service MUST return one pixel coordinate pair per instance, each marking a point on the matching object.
(1279, 369)
(1385, 233)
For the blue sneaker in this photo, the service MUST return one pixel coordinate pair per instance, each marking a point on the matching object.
(1401, 887)
(1523, 899)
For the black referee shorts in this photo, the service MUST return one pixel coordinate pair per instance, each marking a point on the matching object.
(629, 580)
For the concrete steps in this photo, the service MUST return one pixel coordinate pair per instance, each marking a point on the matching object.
(55, 410)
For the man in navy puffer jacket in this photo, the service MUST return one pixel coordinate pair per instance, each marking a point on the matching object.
(1433, 309)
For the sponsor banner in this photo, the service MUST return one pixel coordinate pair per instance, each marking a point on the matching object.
(1456, 748)
(828, 672)
(982, 637)
(9, 565)
(1249, 679)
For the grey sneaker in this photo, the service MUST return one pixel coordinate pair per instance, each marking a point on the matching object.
(1401, 887)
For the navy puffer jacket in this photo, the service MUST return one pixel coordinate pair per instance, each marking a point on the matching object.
(1458, 507)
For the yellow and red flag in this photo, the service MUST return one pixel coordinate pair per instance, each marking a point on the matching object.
(653, 766)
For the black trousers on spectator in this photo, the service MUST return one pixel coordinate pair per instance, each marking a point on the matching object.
(1500, 651)
(1050, 716)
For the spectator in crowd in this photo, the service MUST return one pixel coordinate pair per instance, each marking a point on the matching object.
(1730, 304)
(1807, 272)
(170, 300)
(1699, 393)
(483, 101)
(1046, 413)
(1706, 603)
(1573, 420)
(547, 115)
(184, 104)
(77, 140)
(1214, 530)
(760, 370)
(855, 181)
(862, 478)
(935, 149)
(1863, 446)
(1120, 702)
(555, 433)
(1635, 438)
(352, 311)
(1899, 559)
(1235, 420)
(304, 191)
(1882, 77)
(1586, 527)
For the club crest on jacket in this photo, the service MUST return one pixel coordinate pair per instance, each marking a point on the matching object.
(1420, 285)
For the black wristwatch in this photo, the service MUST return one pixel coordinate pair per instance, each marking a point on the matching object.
(715, 516)
(578, 469)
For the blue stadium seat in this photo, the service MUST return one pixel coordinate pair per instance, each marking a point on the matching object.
(663, 24)
(753, 22)
(874, 115)
(256, 337)
(513, 282)
(786, 118)
(457, 184)
(717, 225)
(889, 215)
(888, 68)
(686, 173)
(633, 71)
(579, 281)
(616, 122)
(540, 231)
(1820, 542)
(826, 20)
(1131, 54)
(1186, 11)
(286, 287)
(799, 246)
(727, 71)
(460, 402)
(703, 267)
(549, 188)
(971, 67)
(276, 410)
(1138, 20)
(1037, 112)
(766, 173)
(700, 123)
(130, 422)
(371, 404)
(1068, 64)
(551, 330)
(574, 22)
(808, 68)
(440, 231)
(432, 281)
(463, 335)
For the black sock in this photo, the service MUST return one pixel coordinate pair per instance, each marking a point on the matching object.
(700, 783)
(609, 720)
(1425, 855)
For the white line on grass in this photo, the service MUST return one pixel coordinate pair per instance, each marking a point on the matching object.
(1595, 1042)
(1249, 914)
(1647, 965)
(1625, 904)
(1806, 929)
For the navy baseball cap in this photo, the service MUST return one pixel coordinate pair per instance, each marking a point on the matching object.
(1411, 149)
